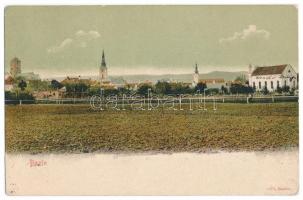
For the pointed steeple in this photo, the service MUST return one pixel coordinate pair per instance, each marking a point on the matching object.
(103, 63)
(196, 69)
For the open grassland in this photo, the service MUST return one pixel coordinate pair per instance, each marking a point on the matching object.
(77, 128)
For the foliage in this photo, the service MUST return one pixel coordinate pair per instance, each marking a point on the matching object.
(76, 89)
(143, 89)
(279, 90)
(224, 90)
(18, 95)
(201, 86)
(264, 90)
(56, 84)
(22, 85)
(124, 90)
(212, 91)
(162, 87)
(180, 88)
(111, 91)
(38, 85)
(241, 79)
(237, 88)
(94, 91)
(285, 89)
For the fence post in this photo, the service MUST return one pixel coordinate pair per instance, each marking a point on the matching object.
(215, 105)
(20, 102)
(247, 100)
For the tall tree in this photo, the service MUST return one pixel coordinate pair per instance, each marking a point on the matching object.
(201, 86)
(143, 89)
(22, 85)
(56, 84)
(162, 87)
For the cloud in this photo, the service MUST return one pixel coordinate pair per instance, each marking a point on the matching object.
(61, 46)
(89, 34)
(79, 39)
(249, 32)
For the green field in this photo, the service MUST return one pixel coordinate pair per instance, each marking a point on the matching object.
(77, 128)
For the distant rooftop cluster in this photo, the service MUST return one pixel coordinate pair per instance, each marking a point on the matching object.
(16, 74)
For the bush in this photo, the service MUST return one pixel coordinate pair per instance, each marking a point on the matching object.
(279, 90)
(14, 97)
(285, 89)
(201, 86)
(264, 91)
(143, 89)
(212, 91)
(237, 88)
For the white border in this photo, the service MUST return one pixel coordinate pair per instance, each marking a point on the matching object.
(4, 3)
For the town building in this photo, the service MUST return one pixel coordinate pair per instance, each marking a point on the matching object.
(195, 76)
(79, 79)
(14, 75)
(15, 71)
(213, 83)
(210, 83)
(8, 83)
(103, 70)
(272, 77)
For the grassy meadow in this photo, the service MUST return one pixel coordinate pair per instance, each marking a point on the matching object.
(77, 128)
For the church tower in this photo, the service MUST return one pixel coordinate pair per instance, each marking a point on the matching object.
(103, 69)
(15, 67)
(196, 76)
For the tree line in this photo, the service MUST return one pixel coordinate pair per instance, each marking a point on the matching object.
(82, 89)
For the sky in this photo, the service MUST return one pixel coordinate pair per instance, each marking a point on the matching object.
(69, 40)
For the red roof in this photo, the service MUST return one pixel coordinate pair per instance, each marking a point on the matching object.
(277, 69)
(9, 80)
(213, 80)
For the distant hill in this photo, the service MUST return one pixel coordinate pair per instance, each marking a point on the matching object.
(227, 76)
(182, 77)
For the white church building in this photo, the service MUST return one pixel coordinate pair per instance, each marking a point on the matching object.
(272, 77)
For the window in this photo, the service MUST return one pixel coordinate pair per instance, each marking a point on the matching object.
(278, 84)
(266, 84)
(260, 85)
(271, 84)
(254, 85)
(285, 83)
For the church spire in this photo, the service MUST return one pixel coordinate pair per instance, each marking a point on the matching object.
(103, 63)
(196, 69)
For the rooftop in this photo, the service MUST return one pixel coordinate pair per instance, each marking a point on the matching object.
(277, 69)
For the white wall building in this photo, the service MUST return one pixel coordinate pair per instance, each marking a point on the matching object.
(273, 77)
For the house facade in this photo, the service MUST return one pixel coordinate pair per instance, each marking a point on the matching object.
(273, 77)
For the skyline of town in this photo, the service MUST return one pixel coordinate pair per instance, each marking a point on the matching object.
(148, 71)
